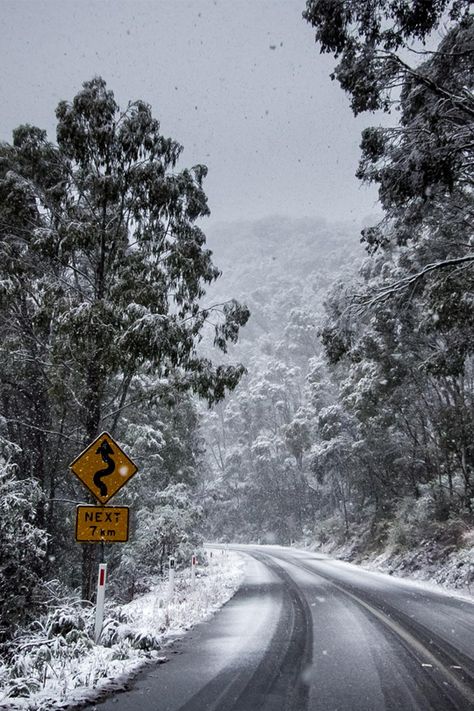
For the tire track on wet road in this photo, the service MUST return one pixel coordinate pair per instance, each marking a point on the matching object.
(279, 682)
(451, 671)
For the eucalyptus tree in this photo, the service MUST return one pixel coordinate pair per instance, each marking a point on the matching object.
(409, 357)
(104, 267)
(375, 43)
(423, 165)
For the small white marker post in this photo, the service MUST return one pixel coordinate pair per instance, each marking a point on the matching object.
(99, 606)
(172, 564)
(193, 571)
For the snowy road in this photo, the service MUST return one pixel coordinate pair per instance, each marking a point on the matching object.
(306, 632)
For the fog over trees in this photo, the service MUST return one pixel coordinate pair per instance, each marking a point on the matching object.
(356, 416)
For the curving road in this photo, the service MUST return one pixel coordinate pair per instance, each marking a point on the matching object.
(308, 632)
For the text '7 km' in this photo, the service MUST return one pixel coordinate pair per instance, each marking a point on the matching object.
(102, 524)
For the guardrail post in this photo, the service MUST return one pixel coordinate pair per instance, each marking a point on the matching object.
(172, 567)
(99, 605)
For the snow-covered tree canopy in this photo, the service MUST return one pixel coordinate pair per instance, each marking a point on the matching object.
(103, 266)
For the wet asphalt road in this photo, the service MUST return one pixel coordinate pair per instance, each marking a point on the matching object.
(306, 632)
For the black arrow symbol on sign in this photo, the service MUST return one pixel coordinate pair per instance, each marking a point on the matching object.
(105, 450)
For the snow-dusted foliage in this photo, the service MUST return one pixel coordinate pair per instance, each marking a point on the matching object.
(22, 550)
(55, 662)
(168, 523)
(359, 421)
(259, 441)
(103, 269)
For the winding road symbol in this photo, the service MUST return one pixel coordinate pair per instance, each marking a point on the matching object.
(103, 467)
(105, 450)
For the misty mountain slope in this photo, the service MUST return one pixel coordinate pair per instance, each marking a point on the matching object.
(276, 266)
(308, 450)
(256, 439)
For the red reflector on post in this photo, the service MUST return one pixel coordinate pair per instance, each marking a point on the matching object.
(102, 577)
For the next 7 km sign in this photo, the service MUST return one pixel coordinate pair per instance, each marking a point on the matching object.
(102, 523)
(103, 467)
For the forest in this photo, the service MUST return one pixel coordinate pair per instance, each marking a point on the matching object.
(274, 380)
(103, 269)
(354, 423)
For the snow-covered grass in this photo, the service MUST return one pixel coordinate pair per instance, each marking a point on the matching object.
(58, 665)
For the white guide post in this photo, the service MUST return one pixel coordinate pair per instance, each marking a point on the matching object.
(193, 571)
(99, 607)
(172, 566)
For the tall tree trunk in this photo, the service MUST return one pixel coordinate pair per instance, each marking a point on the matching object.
(89, 550)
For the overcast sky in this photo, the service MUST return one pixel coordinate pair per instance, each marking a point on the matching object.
(240, 83)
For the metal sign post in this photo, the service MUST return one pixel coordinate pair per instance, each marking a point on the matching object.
(102, 524)
(99, 607)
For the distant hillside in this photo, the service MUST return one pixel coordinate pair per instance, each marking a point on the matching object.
(276, 265)
(255, 439)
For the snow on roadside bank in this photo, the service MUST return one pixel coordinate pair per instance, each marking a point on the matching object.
(59, 671)
(430, 564)
(453, 570)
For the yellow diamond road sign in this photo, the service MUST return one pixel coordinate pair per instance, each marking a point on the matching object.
(102, 523)
(103, 467)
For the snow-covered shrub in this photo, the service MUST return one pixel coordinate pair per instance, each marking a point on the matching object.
(120, 632)
(330, 530)
(167, 527)
(51, 651)
(425, 518)
(56, 640)
(22, 550)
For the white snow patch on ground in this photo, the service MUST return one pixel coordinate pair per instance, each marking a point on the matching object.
(60, 672)
(426, 566)
(451, 576)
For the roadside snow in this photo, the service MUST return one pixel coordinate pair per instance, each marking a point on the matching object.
(62, 671)
(429, 565)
